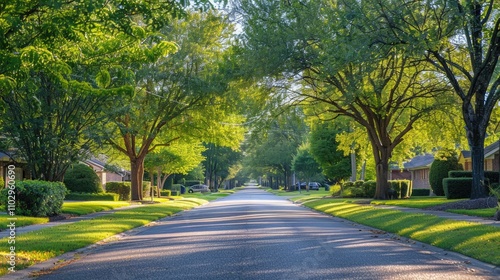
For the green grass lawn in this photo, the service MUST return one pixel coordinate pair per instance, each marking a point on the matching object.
(88, 207)
(41, 245)
(478, 241)
(416, 201)
(21, 221)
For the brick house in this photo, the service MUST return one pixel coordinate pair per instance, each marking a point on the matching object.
(491, 158)
(416, 170)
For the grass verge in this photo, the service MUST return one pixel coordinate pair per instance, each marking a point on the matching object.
(21, 221)
(41, 245)
(88, 207)
(477, 241)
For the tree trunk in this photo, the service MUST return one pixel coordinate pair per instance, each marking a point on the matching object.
(382, 157)
(137, 173)
(478, 183)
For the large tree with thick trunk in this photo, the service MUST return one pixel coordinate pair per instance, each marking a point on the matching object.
(461, 38)
(324, 49)
(175, 96)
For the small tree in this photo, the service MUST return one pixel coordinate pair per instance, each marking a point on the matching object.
(81, 178)
(444, 161)
(305, 165)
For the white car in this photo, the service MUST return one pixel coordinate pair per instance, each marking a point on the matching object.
(198, 188)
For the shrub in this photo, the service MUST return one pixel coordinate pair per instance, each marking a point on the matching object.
(93, 196)
(457, 187)
(421, 192)
(396, 187)
(335, 189)
(175, 193)
(81, 178)
(146, 188)
(444, 161)
(120, 188)
(369, 188)
(2, 182)
(166, 192)
(492, 177)
(36, 198)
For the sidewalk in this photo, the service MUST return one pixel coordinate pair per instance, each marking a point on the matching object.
(5, 233)
(443, 214)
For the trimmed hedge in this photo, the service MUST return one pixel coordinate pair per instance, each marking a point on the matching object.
(457, 187)
(36, 198)
(93, 196)
(492, 176)
(369, 188)
(146, 188)
(165, 193)
(402, 188)
(440, 167)
(421, 192)
(120, 188)
(82, 179)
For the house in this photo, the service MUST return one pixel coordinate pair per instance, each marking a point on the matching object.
(106, 172)
(9, 158)
(491, 158)
(416, 170)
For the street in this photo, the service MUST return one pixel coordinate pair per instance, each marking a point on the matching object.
(256, 235)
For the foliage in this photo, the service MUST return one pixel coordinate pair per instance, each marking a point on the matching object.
(369, 188)
(92, 196)
(36, 198)
(324, 149)
(461, 40)
(491, 177)
(218, 163)
(120, 188)
(82, 178)
(166, 193)
(444, 161)
(457, 187)
(402, 188)
(305, 165)
(421, 192)
(342, 71)
(178, 94)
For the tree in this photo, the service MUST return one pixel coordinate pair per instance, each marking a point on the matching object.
(175, 97)
(305, 165)
(272, 148)
(218, 163)
(178, 158)
(461, 40)
(323, 47)
(324, 149)
(51, 88)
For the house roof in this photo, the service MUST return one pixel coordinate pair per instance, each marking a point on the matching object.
(489, 151)
(419, 162)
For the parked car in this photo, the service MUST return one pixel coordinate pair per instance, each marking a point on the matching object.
(314, 186)
(198, 188)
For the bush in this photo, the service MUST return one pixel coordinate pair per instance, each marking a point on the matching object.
(335, 189)
(93, 196)
(175, 193)
(120, 188)
(146, 188)
(165, 193)
(491, 176)
(421, 192)
(444, 161)
(457, 187)
(369, 188)
(36, 198)
(83, 179)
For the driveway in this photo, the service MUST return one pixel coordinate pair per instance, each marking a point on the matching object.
(256, 235)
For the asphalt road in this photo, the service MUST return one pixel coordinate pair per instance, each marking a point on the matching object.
(255, 235)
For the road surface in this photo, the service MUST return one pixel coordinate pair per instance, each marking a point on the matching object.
(256, 235)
